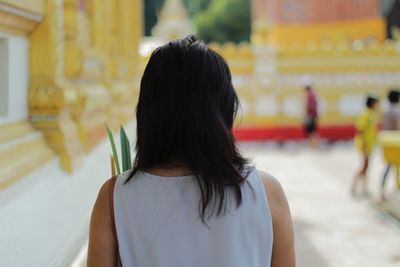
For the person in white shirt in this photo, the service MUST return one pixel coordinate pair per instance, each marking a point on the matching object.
(391, 122)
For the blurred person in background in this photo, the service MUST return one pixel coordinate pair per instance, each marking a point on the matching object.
(366, 136)
(311, 116)
(391, 122)
(191, 199)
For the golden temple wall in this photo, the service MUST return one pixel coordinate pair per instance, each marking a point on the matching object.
(339, 46)
(84, 72)
(35, 6)
(22, 147)
(270, 80)
(313, 11)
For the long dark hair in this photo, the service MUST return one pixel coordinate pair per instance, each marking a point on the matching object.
(187, 105)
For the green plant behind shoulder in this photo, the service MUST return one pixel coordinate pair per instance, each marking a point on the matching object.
(125, 151)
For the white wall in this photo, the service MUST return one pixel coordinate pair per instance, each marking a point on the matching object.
(17, 78)
(3, 76)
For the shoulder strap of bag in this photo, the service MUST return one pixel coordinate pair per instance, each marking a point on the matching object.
(111, 204)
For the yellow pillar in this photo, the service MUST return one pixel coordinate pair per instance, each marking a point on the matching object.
(22, 148)
(125, 29)
(51, 100)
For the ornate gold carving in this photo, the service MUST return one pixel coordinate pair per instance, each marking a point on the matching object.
(52, 100)
(89, 75)
(268, 79)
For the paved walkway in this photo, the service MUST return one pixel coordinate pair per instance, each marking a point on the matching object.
(332, 229)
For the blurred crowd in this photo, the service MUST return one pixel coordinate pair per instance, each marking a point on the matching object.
(373, 119)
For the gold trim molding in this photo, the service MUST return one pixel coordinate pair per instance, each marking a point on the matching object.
(15, 130)
(18, 21)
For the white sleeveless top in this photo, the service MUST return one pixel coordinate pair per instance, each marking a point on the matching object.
(158, 225)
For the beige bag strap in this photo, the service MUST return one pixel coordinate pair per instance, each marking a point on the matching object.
(111, 204)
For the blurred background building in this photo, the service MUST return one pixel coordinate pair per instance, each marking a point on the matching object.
(67, 67)
(340, 47)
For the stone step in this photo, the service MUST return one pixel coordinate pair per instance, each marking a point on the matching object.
(22, 150)
(13, 131)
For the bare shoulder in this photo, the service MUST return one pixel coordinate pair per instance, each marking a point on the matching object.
(101, 210)
(101, 250)
(283, 254)
(274, 189)
(102, 201)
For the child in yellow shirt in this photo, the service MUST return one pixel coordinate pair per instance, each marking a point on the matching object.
(366, 136)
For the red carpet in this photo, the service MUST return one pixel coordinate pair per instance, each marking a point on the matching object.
(330, 132)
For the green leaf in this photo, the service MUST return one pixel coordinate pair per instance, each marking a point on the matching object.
(114, 150)
(126, 150)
